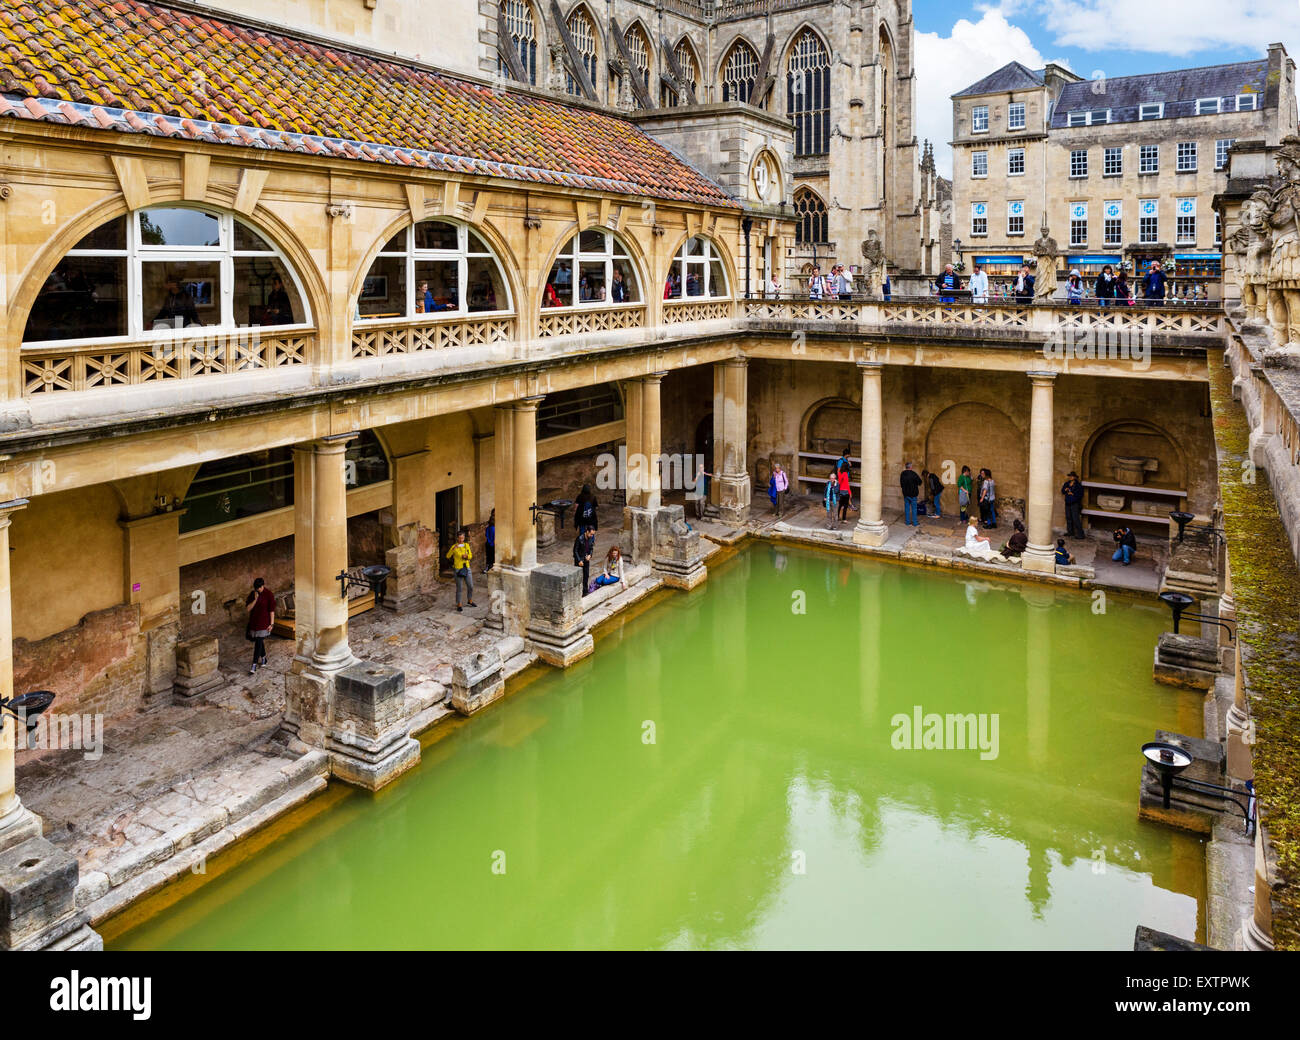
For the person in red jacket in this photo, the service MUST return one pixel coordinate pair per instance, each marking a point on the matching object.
(261, 618)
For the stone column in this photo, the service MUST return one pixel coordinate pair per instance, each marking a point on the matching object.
(1240, 730)
(17, 823)
(871, 530)
(151, 571)
(1041, 552)
(652, 439)
(320, 553)
(515, 489)
(731, 438)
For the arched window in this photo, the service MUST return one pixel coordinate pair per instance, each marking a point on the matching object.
(605, 275)
(740, 73)
(584, 38)
(685, 58)
(810, 212)
(697, 271)
(639, 48)
(522, 32)
(161, 269)
(434, 267)
(262, 481)
(809, 95)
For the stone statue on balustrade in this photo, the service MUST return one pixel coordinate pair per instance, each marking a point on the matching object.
(1252, 243)
(1282, 216)
(1045, 253)
(873, 265)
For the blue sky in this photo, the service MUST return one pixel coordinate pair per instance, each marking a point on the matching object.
(957, 44)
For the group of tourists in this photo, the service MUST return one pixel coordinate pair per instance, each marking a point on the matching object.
(923, 495)
(1109, 287)
(836, 284)
(585, 523)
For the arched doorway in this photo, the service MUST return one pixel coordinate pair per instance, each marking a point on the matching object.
(1135, 472)
(980, 436)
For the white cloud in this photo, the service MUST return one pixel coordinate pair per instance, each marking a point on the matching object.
(947, 64)
(1175, 27)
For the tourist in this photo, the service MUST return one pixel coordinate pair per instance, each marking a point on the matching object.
(613, 572)
(1018, 541)
(701, 489)
(1127, 542)
(1074, 288)
(843, 283)
(1104, 288)
(1063, 557)
(584, 510)
(843, 463)
(979, 286)
(963, 493)
(618, 288)
(777, 487)
(1072, 492)
(976, 544)
(1153, 285)
(423, 299)
(261, 619)
(490, 542)
(774, 288)
(1023, 290)
(178, 310)
(846, 493)
(911, 485)
(816, 289)
(278, 309)
(460, 556)
(936, 489)
(988, 499)
(832, 497)
(583, 546)
(948, 285)
(1123, 291)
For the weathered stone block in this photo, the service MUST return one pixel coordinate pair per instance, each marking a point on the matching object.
(1186, 661)
(638, 541)
(369, 739)
(1189, 810)
(197, 673)
(477, 682)
(557, 631)
(546, 534)
(403, 584)
(38, 885)
(677, 557)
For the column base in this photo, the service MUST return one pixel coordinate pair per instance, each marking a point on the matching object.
(18, 825)
(557, 631)
(1240, 763)
(869, 532)
(38, 886)
(1038, 558)
(478, 682)
(676, 556)
(369, 741)
(734, 494)
(1254, 938)
(507, 600)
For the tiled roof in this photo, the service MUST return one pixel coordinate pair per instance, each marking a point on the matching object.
(1012, 76)
(133, 67)
(1178, 90)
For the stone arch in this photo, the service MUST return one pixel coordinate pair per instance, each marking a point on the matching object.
(978, 435)
(815, 85)
(582, 10)
(1133, 438)
(685, 42)
(742, 52)
(830, 424)
(629, 242)
(728, 261)
(638, 30)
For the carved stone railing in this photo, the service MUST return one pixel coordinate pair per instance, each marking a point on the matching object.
(54, 369)
(571, 321)
(379, 339)
(676, 312)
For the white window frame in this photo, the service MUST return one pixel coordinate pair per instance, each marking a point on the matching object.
(1077, 152)
(137, 254)
(1143, 237)
(1082, 119)
(1082, 240)
(461, 253)
(614, 250)
(1011, 215)
(1179, 166)
(976, 112)
(974, 164)
(1252, 98)
(984, 218)
(682, 262)
(1180, 237)
(1107, 220)
(1203, 106)
(1221, 149)
(1218, 229)
(1106, 156)
(1012, 109)
(1011, 153)
(1154, 150)
(1144, 113)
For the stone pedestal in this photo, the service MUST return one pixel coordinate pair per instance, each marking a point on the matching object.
(477, 682)
(507, 600)
(197, 673)
(1188, 810)
(38, 911)
(369, 741)
(557, 631)
(638, 541)
(676, 557)
(402, 589)
(545, 528)
(1186, 662)
(731, 440)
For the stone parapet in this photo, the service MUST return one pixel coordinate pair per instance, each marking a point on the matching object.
(557, 630)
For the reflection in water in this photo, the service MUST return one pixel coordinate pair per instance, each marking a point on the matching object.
(770, 809)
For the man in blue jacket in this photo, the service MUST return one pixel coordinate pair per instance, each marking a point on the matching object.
(1072, 491)
(948, 285)
(1153, 285)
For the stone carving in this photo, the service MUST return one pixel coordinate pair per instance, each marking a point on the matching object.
(1283, 219)
(1252, 243)
(625, 102)
(556, 77)
(873, 257)
(1045, 253)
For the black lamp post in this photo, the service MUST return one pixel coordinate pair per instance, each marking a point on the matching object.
(1169, 760)
(26, 709)
(1178, 602)
(372, 578)
(1184, 521)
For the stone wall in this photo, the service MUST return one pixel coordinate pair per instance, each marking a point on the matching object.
(99, 665)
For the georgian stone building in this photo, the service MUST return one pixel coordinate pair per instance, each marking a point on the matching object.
(1124, 169)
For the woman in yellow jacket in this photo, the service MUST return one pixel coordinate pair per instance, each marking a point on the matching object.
(460, 555)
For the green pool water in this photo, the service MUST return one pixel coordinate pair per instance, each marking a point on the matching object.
(722, 774)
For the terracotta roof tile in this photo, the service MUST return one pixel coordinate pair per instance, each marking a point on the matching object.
(216, 80)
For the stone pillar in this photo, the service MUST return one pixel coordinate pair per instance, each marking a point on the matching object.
(151, 572)
(644, 491)
(652, 439)
(320, 553)
(515, 485)
(1041, 552)
(17, 823)
(731, 439)
(871, 529)
(1240, 730)
(1257, 929)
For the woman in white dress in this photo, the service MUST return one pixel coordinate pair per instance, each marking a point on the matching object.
(977, 545)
